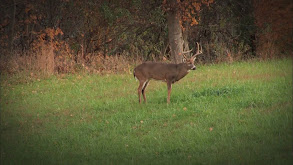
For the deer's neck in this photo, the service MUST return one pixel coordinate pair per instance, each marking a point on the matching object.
(182, 71)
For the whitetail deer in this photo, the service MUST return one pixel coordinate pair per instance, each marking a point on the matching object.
(169, 73)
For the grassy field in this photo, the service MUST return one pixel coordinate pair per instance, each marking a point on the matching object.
(238, 113)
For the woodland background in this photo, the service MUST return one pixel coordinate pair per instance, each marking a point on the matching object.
(112, 36)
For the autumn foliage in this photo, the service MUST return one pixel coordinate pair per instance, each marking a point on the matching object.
(62, 36)
(274, 21)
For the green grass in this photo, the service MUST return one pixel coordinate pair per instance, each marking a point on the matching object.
(238, 113)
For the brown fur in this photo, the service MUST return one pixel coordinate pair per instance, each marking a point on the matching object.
(169, 73)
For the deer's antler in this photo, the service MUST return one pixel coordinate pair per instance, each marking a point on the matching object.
(187, 51)
(198, 52)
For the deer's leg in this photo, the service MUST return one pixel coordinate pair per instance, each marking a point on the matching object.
(169, 85)
(143, 90)
(139, 89)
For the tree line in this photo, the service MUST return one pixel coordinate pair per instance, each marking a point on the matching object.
(71, 34)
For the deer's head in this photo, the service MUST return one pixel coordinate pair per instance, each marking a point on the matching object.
(190, 61)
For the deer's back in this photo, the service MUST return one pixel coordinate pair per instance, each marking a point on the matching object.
(153, 70)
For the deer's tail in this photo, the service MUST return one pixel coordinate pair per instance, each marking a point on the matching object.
(134, 75)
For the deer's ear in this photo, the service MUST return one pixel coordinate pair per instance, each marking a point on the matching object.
(193, 58)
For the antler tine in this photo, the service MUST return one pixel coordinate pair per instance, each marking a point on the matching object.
(188, 51)
(198, 52)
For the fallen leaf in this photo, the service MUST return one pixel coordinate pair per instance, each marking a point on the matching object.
(211, 128)
(79, 77)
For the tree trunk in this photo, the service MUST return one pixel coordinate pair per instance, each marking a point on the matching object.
(175, 33)
(185, 39)
(11, 35)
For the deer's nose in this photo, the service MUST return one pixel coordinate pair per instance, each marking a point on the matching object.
(193, 68)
